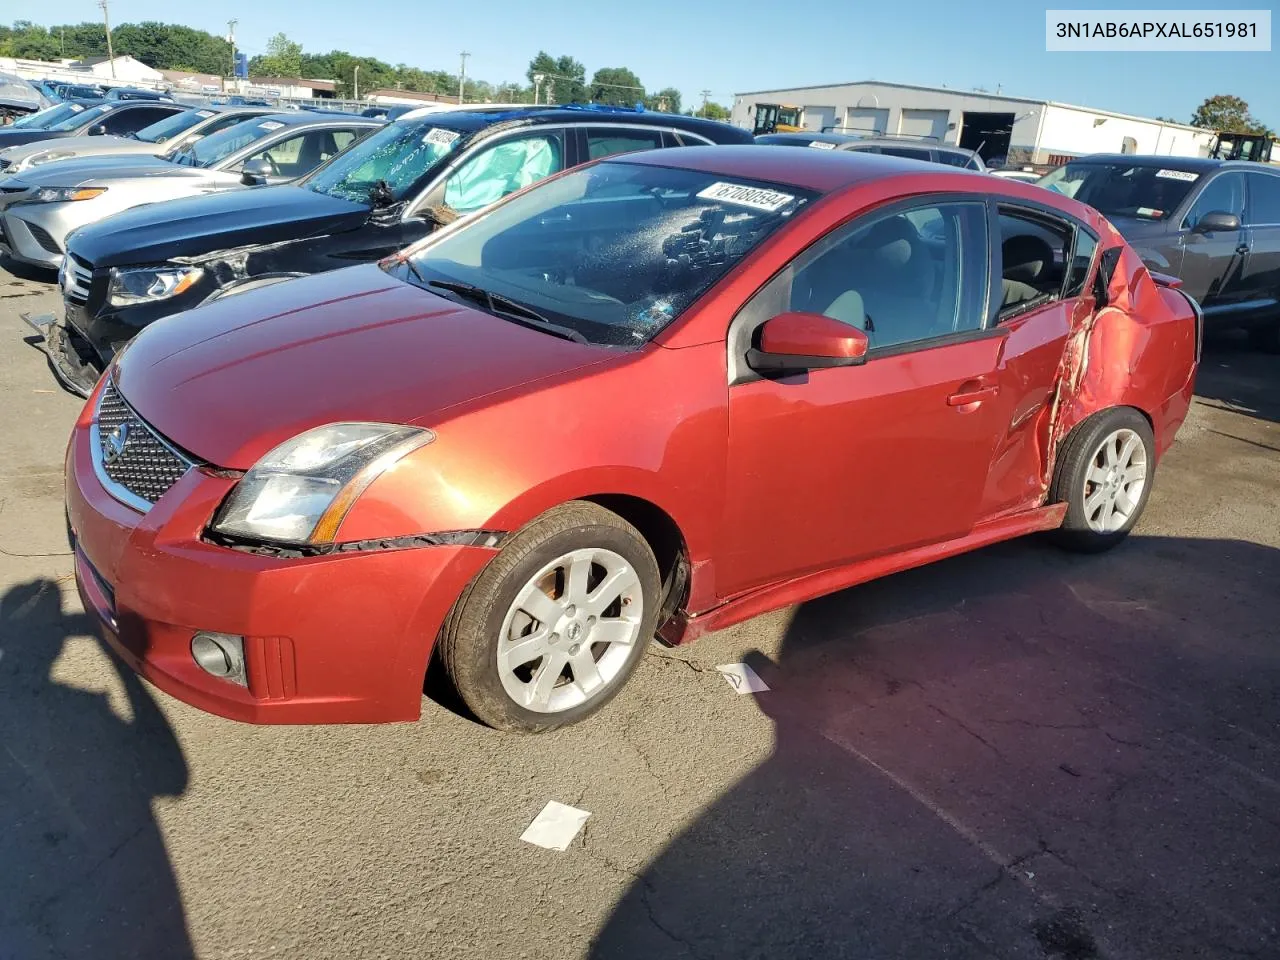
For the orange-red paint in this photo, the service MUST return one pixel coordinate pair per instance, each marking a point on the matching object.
(781, 489)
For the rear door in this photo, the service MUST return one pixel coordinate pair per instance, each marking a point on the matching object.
(1212, 263)
(1261, 280)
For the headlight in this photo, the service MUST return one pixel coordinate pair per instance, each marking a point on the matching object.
(38, 158)
(147, 284)
(301, 490)
(64, 194)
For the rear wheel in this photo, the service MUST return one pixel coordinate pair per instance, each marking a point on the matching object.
(1104, 475)
(549, 632)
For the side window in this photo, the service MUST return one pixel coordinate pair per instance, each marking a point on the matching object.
(340, 140)
(954, 159)
(1033, 255)
(688, 139)
(130, 121)
(908, 152)
(902, 277)
(1264, 199)
(1081, 261)
(282, 155)
(1223, 194)
(503, 168)
(605, 141)
(223, 122)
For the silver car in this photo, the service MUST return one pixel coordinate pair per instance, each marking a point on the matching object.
(162, 138)
(39, 208)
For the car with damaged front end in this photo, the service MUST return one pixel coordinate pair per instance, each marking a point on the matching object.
(391, 189)
(546, 433)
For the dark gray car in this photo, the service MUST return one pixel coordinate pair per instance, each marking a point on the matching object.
(1214, 223)
(913, 148)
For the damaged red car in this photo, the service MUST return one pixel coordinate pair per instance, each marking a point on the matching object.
(655, 395)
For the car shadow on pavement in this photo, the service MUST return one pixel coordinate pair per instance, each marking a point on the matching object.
(1240, 377)
(85, 871)
(1013, 754)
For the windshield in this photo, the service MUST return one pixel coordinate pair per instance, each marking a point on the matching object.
(218, 146)
(399, 153)
(172, 125)
(1123, 189)
(42, 120)
(614, 252)
(82, 118)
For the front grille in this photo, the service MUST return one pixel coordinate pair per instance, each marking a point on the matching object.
(42, 237)
(77, 281)
(131, 456)
(5, 164)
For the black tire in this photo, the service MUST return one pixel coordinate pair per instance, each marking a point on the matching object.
(1076, 458)
(1266, 338)
(468, 641)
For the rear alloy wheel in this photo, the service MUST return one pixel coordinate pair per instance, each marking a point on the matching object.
(553, 627)
(1104, 474)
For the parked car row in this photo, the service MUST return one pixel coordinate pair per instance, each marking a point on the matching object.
(614, 374)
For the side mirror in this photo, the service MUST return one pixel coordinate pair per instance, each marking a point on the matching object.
(98, 130)
(255, 172)
(1217, 222)
(795, 342)
(1102, 279)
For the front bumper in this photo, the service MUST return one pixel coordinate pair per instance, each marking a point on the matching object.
(36, 233)
(331, 639)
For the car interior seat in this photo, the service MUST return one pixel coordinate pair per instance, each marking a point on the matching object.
(1028, 269)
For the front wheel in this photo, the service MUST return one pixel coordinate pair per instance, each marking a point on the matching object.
(548, 632)
(1104, 474)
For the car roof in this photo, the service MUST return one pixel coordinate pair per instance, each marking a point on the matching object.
(302, 118)
(852, 141)
(474, 120)
(819, 170)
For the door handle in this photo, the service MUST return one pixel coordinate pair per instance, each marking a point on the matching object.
(1243, 249)
(972, 393)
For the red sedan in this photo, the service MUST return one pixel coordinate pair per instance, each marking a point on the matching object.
(658, 394)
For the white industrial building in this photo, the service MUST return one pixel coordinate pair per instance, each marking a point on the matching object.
(1003, 129)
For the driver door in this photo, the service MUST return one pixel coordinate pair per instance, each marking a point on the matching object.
(839, 465)
(1213, 263)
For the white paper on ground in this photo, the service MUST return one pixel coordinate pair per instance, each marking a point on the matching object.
(742, 678)
(556, 826)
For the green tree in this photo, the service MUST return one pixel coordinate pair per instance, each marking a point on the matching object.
(1224, 112)
(565, 78)
(667, 99)
(617, 86)
(714, 111)
(282, 59)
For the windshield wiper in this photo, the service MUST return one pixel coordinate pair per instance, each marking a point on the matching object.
(504, 307)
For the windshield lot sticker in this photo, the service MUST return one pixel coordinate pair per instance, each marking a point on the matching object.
(441, 138)
(204, 113)
(1177, 175)
(270, 125)
(821, 145)
(741, 195)
(1150, 212)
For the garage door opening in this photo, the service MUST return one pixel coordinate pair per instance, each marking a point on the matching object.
(989, 134)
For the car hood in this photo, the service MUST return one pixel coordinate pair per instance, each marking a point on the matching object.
(85, 146)
(196, 226)
(100, 171)
(1135, 228)
(230, 380)
(21, 136)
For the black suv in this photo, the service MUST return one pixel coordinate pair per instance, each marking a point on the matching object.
(913, 148)
(388, 190)
(1214, 223)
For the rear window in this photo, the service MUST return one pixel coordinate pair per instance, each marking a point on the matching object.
(907, 152)
(955, 159)
(1123, 189)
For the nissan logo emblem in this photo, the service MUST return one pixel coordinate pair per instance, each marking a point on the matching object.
(113, 443)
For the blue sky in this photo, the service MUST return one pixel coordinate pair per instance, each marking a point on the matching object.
(730, 47)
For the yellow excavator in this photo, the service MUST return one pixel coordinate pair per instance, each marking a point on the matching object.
(777, 118)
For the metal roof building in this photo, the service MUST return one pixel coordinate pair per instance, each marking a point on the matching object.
(1003, 129)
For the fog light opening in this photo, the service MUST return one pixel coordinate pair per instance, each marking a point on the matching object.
(220, 655)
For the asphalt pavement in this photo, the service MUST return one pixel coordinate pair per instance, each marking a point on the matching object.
(1013, 754)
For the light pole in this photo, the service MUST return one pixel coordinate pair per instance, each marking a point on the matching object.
(537, 86)
(106, 20)
(355, 83)
(462, 76)
(231, 39)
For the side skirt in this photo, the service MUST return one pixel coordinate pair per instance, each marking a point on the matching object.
(685, 627)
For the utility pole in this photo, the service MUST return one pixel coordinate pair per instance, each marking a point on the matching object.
(106, 19)
(231, 39)
(64, 43)
(705, 95)
(355, 83)
(537, 86)
(462, 77)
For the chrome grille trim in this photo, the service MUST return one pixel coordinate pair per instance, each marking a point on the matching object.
(77, 279)
(146, 467)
